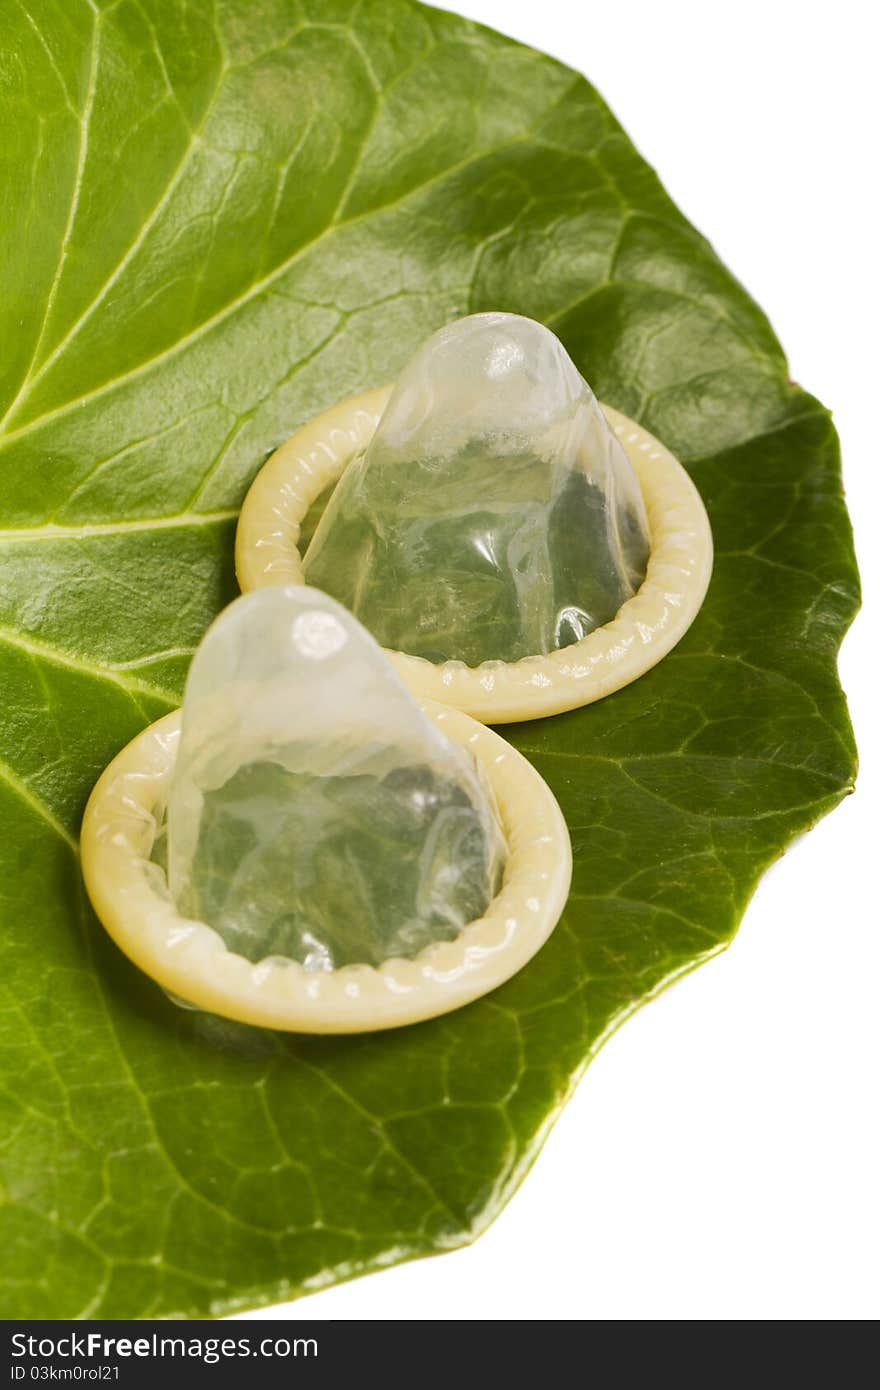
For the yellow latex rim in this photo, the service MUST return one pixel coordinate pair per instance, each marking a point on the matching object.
(190, 960)
(645, 628)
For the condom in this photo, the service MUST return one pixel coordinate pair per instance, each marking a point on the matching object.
(518, 548)
(306, 846)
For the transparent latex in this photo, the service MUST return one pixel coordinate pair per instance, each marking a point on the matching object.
(494, 515)
(315, 812)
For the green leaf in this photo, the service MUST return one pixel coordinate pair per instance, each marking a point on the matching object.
(219, 219)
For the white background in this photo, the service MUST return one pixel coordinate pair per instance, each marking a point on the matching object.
(720, 1158)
